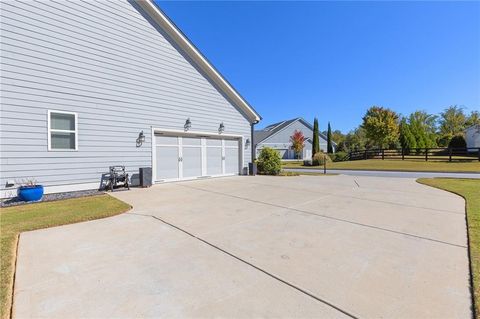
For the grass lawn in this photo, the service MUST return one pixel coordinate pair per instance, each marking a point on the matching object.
(14, 220)
(287, 173)
(470, 190)
(395, 165)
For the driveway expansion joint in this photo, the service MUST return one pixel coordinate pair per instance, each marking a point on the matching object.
(368, 200)
(291, 209)
(302, 290)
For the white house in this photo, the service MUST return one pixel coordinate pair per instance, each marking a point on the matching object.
(91, 84)
(277, 136)
(472, 136)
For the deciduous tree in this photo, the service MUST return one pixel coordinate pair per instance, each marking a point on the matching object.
(356, 140)
(473, 118)
(407, 140)
(298, 142)
(381, 126)
(423, 128)
(452, 122)
(339, 138)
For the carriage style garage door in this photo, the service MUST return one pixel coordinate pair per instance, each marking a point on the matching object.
(186, 157)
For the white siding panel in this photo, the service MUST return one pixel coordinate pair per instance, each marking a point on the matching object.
(107, 62)
(281, 140)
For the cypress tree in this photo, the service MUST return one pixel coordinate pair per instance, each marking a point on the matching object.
(316, 141)
(329, 139)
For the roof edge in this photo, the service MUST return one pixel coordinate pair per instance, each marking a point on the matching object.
(297, 119)
(151, 8)
(472, 126)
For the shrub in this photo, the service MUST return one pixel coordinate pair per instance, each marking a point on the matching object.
(320, 158)
(339, 156)
(269, 162)
(458, 141)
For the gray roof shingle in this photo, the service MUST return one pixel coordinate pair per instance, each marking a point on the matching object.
(260, 135)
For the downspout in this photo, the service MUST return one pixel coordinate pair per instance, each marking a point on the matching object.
(252, 169)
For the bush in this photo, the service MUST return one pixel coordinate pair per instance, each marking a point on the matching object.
(339, 156)
(457, 141)
(320, 158)
(269, 162)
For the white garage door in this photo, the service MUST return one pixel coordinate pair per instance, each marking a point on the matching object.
(185, 157)
(214, 156)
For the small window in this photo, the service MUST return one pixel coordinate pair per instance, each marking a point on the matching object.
(62, 131)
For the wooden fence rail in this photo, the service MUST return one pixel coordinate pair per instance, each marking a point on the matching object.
(432, 154)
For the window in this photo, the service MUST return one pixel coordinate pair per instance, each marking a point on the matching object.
(62, 131)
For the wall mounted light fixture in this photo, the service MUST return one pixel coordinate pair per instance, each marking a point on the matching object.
(247, 143)
(221, 128)
(140, 139)
(188, 125)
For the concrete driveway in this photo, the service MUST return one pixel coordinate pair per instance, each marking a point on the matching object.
(307, 246)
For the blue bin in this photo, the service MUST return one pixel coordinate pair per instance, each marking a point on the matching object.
(30, 193)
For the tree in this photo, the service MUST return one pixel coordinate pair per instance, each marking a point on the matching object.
(356, 140)
(407, 140)
(473, 118)
(423, 127)
(329, 140)
(315, 139)
(339, 138)
(298, 142)
(452, 122)
(458, 141)
(381, 126)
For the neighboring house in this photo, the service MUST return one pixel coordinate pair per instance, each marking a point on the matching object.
(472, 136)
(90, 84)
(277, 136)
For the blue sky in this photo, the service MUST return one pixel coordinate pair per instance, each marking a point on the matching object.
(335, 59)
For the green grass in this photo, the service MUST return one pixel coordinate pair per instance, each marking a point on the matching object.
(14, 220)
(287, 173)
(395, 165)
(470, 190)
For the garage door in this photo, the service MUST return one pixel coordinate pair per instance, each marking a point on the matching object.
(189, 157)
(231, 156)
(214, 156)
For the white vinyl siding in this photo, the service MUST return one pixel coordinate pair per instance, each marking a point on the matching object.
(114, 67)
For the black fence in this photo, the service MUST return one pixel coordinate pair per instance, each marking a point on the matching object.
(426, 154)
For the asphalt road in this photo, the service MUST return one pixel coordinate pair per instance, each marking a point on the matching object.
(388, 173)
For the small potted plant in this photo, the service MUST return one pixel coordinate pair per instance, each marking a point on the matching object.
(29, 191)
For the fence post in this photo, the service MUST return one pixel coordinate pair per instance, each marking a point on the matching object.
(449, 154)
(426, 154)
(365, 155)
(383, 153)
(403, 154)
(479, 154)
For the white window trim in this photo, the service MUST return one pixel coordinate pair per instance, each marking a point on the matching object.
(50, 130)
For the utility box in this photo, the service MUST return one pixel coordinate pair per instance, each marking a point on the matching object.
(145, 176)
(252, 169)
